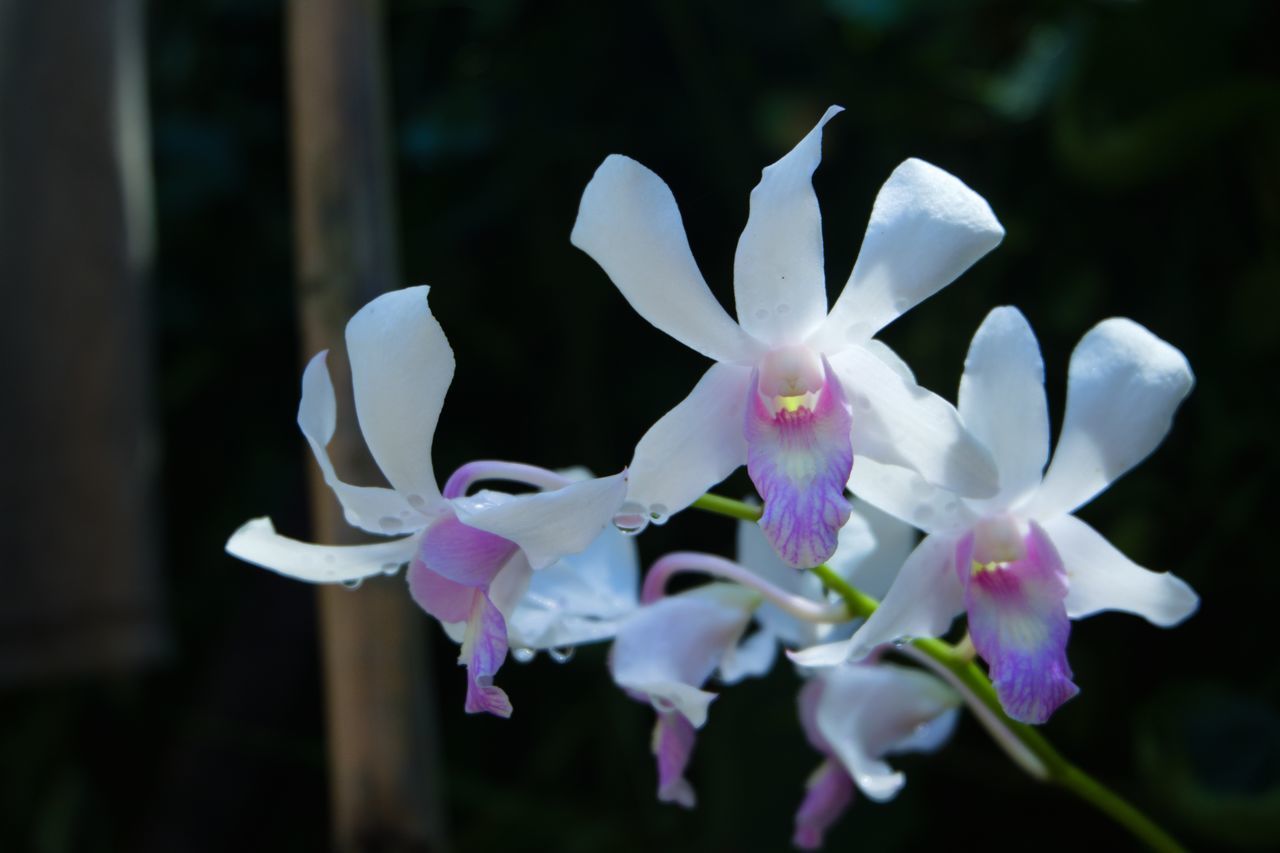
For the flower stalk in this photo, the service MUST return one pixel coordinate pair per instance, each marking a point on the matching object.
(964, 673)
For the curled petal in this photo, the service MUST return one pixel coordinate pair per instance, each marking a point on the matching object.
(750, 659)
(778, 279)
(551, 524)
(897, 422)
(372, 508)
(866, 712)
(401, 367)
(800, 460)
(666, 650)
(1020, 627)
(629, 224)
(1100, 577)
(257, 542)
(484, 648)
(447, 600)
(1002, 402)
(673, 739)
(828, 794)
(1123, 386)
(694, 446)
(926, 228)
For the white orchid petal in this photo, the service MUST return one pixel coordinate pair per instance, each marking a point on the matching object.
(900, 423)
(873, 569)
(695, 445)
(581, 598)
(1002, 401)
(401, 367)
(548, 525)
(779, 283)
(629, 224)
(926, 229)
(1100, 577)
(669, 648)
(866, 712)
(257, 542)
(750, 659)
(375, 509)
(882, 351)
(905, 495)
(1123, 386)
(923, 601)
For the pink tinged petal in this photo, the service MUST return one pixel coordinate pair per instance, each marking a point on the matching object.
(866, 712)
(483, 651)
(401, 367)
(551, 524)
(667, 650)
(897, 422)
(1100, 577)
(799, 460)
(673, 739)
(372, 508)
(778, 279)
(629, 224)
(1123, 386)
(828, 794)
(462, 553)
(1002, 402)
(1017, 618)
(694, 446)
(446, 600)
(924, 600)
(257, 542)
(926, 229)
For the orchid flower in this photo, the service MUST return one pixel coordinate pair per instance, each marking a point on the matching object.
(665, 652)
(871, 547)
(1020, 564)
(471, 557)
(855, 715)
(796, 392)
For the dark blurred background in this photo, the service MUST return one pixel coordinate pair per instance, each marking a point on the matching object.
(1131, 149)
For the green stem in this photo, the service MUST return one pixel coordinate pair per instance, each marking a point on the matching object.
(1057, 769)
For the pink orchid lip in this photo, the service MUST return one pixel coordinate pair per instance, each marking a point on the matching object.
(1017, 614)
(799, 455)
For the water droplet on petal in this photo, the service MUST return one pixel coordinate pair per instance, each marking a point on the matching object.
(762, 313)
(631, 518)
(522, 655)
(901, 304)
(951, 506)
(417, 501)
(658, 513)
(390, 568)
(389, 523)
(562, 655)
(782, 309)
(330, 558)
(353, 583)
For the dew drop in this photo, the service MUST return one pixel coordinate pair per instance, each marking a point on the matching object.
(390, 568)
(561, 655)
(330, 559)
(631, 518)
(658, 513)
(762, 313)
(353, 583)
(417, 501)
(951, 506)
(782, 309)
(901, 305)
(389, 523)
(522, 655)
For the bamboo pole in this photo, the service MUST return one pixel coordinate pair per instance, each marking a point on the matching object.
(381, 724)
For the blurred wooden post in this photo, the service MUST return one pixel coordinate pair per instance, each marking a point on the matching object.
(77, 524)
(382, 734)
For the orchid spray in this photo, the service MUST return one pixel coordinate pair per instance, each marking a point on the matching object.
(850, 456)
